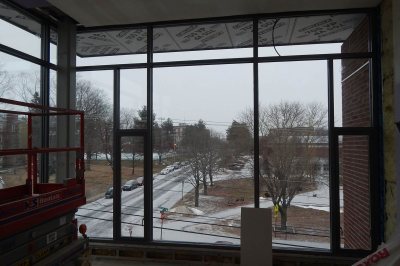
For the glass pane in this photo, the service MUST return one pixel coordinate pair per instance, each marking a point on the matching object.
(53, 46)
(354, 176)
(132, 181)
(19, 31)
(111, 47)
(294, 179)
(352, 93)
(111, 60)
(186, 42)
(13, 171)
(19, 80)
(53, 88)
(133, 99)
(203, 159)
(305, 49)
(94, 96)
(346, 33)
(13, 135)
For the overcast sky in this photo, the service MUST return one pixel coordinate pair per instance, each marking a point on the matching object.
(217, 94)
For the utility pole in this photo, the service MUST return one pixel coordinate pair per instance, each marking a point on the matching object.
(182, 188)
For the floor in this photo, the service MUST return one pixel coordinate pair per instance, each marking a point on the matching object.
(107, 261)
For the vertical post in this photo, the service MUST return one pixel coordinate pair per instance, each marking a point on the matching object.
(44, 100)
(256, 117)
(66, 96)
(116, 160)
(396, 72)
(183, 183)
(29, 178)
(34, 171)
(333, 165)
(148, 161)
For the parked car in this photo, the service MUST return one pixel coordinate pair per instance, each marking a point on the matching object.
(140, 180)
(130, 185)
(167, 170)
(175, 165)
(109, 193)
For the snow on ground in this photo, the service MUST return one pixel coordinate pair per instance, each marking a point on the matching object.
(184, 223)
(196, 211)
(226, 174)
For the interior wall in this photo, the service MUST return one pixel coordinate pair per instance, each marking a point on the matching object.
(388, 117)
(396, 72)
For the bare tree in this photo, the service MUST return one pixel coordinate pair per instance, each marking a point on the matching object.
(287, 150)
(193, 147)
(247, 117)
(106, 132)
(127, 121)
(93, 102)
(5, 81)
(213, 155)
(27, 85)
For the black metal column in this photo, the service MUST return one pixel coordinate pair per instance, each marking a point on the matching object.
(148, 175)
(116, 159)
(45, 101)
(256, 117)
(333, 165)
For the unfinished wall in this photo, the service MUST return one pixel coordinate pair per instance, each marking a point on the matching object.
(388, 117)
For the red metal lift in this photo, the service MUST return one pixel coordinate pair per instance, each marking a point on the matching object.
(25, 206)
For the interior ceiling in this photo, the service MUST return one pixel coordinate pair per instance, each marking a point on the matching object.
(285, 31)
(105, 12)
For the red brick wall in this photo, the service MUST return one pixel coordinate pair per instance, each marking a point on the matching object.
(354, 154)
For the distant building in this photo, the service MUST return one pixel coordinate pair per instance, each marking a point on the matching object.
(178, 133)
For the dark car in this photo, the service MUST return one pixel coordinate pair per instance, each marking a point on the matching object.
(109, 193)
(130, 185)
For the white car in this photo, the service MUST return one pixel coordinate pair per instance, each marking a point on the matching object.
(167, 170)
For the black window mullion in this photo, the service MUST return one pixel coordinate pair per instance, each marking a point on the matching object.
(333, 165)
(45, 101)
(148, 170)
(256, 117)
(116, 159)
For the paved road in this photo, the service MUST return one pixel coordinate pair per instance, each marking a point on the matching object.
(167, 190)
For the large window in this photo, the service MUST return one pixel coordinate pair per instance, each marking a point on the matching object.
(204, 150)
(19, 31)
(202, 100)
(294, 151)
(22, 68)
(94, 94)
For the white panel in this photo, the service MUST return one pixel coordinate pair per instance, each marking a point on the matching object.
(256, 237)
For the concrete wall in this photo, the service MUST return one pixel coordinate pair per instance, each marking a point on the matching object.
(396, 74)
(388, 116)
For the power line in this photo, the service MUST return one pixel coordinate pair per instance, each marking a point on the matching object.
(199, 233)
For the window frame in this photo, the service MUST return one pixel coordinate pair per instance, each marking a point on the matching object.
(374, 131)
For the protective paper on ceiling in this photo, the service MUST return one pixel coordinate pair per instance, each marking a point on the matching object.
(302, 30)
(287, 31)
(18, 19)
(14, 17)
